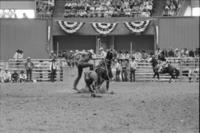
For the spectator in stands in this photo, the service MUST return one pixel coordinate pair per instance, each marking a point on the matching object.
(22, 77)
(53, 69)
(133, 67)
(171, 53)
(138, 56)
(29, 67)
(6, 76)
(144, 55)
(52, 55)
(102, 52)
(191, 53)
(15, 77)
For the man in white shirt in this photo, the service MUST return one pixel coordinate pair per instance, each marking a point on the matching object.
(118, 70)
(22, 76)
(102, 52)
(133, 67)
(6, 76)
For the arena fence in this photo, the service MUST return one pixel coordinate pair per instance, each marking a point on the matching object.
(41, 70)
(189, 67)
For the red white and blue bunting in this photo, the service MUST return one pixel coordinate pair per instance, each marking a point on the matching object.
(104, 28)
(70, 27)
(137, 27)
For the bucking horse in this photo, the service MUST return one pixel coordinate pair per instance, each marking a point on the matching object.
(171, 70)
(102, 72)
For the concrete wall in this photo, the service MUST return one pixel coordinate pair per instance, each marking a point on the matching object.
(29, 35)
(73, 42)
(21, 4)
(140, 42)
(179, 32)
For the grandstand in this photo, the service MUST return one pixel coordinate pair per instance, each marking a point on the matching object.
(135, 45)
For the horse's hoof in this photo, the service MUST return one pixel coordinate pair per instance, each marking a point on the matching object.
(93, 95)
(112, 92)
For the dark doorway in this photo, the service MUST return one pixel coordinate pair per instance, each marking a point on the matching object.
(74, 42)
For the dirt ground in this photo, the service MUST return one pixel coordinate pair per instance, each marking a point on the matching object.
(142, 107)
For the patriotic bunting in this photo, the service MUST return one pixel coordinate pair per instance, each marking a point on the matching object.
(104, 28)
(137, 27)
(70, 27)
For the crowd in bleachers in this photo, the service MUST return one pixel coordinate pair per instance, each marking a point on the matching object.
(172, 7)
(45, 8)
(108, 8)
(12, 13)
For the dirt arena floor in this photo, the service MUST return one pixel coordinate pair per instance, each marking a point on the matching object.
(142, 107)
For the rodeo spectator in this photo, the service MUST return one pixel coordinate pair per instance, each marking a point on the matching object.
(6, 76)
(133, 67)
(53, 69)
(52, 55)
(118, 70)
(138, 56)
(171, 53)
(124, 70)
(15, 76)
(18, 54)
(1, 76)
(191, 53)
(22, 77)
(29, 67)
(102, 52)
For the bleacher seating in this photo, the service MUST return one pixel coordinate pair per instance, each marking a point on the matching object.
(108, 8)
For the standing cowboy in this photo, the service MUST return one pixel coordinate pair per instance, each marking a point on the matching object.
(133, 67)
(82, 63)
(53, 69)
(154, 64)
(29, 67)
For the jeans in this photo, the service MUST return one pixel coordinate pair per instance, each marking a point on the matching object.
(124, 74)
(132, 75)
(53, 75)
(80, 67)
(29, 74)
(117, 77)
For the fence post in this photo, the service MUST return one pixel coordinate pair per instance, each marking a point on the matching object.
(61, 73)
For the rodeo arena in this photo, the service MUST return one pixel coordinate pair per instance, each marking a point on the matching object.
(99, 66)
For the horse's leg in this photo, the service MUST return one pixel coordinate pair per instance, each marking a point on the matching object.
(91, 89)
(107, 84)
(170, 78)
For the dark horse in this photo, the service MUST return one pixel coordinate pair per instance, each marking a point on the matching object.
(94, 79)
(168, 68)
